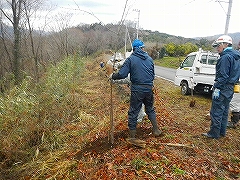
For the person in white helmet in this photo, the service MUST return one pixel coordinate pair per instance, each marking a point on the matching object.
(235, 111)
(227, 74)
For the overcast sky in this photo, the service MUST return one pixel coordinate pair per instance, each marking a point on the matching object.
(187, 18)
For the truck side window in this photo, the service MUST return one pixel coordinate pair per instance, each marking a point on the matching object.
(212, 60)
(203, 59)
(188, 62)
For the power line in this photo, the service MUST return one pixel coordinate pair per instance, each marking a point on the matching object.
(221, 6)
(190, 2)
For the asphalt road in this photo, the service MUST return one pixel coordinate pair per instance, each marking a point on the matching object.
(165, 73)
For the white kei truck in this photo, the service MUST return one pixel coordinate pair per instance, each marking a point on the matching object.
(197, 72)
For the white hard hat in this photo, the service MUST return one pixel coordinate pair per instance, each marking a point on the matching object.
(222, 39)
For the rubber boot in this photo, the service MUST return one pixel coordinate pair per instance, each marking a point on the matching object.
(135, 141)
(231, 125)
(235, 117)
(132, 134)
(234, 120)
(155, 129)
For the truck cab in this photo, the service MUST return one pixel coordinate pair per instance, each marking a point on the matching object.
(197, 72)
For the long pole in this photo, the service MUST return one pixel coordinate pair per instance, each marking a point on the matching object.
(111, 133)
(111, 117)
(228, 16)
(125, 45)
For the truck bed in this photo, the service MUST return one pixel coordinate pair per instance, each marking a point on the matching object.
(204, 78)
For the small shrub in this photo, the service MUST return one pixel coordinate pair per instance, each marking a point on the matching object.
(138, 163)
(178, 171)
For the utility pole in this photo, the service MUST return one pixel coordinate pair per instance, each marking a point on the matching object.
(228, 16)
(125, 44)
(138, 11)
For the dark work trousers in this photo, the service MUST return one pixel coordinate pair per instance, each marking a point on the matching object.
(136, 100)
(219, 112)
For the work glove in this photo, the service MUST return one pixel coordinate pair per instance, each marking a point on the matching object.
(216, 93)
(102, 64)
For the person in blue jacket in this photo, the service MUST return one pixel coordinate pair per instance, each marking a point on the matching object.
(235, 106)
(140, 66)
(235, 111)
(227, 74)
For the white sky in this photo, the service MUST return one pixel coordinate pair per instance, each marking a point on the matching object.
(187, 18)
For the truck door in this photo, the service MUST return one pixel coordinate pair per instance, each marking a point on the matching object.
(205, 72)
(185, 71)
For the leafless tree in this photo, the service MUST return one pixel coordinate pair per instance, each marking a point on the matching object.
(60, 34)
(12, 10)
(30, 10)
(17, 13)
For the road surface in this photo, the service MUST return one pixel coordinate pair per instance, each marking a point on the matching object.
(165, 73)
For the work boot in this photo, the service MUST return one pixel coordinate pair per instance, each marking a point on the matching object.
(234, 120)
(132, 134)
(155, 129)
(235, 117)
(157, 132)
(231, 125)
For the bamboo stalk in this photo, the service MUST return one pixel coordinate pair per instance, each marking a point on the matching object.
(111, 118)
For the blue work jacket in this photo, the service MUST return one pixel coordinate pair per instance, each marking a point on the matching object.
(141, 68)
(227, 68)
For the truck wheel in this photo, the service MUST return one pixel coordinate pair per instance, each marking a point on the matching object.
(185, 90)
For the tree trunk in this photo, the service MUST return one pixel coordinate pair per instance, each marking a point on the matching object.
(16, 9)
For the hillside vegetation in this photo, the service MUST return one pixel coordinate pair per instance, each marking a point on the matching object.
(60, 130)
(169, 62)
(25, 52)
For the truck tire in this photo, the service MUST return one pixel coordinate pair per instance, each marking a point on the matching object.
(185, 90)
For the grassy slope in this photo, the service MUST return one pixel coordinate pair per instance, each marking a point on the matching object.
(181, 153)
(170, 62)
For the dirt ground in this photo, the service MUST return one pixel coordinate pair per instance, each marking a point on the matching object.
(180, 153)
